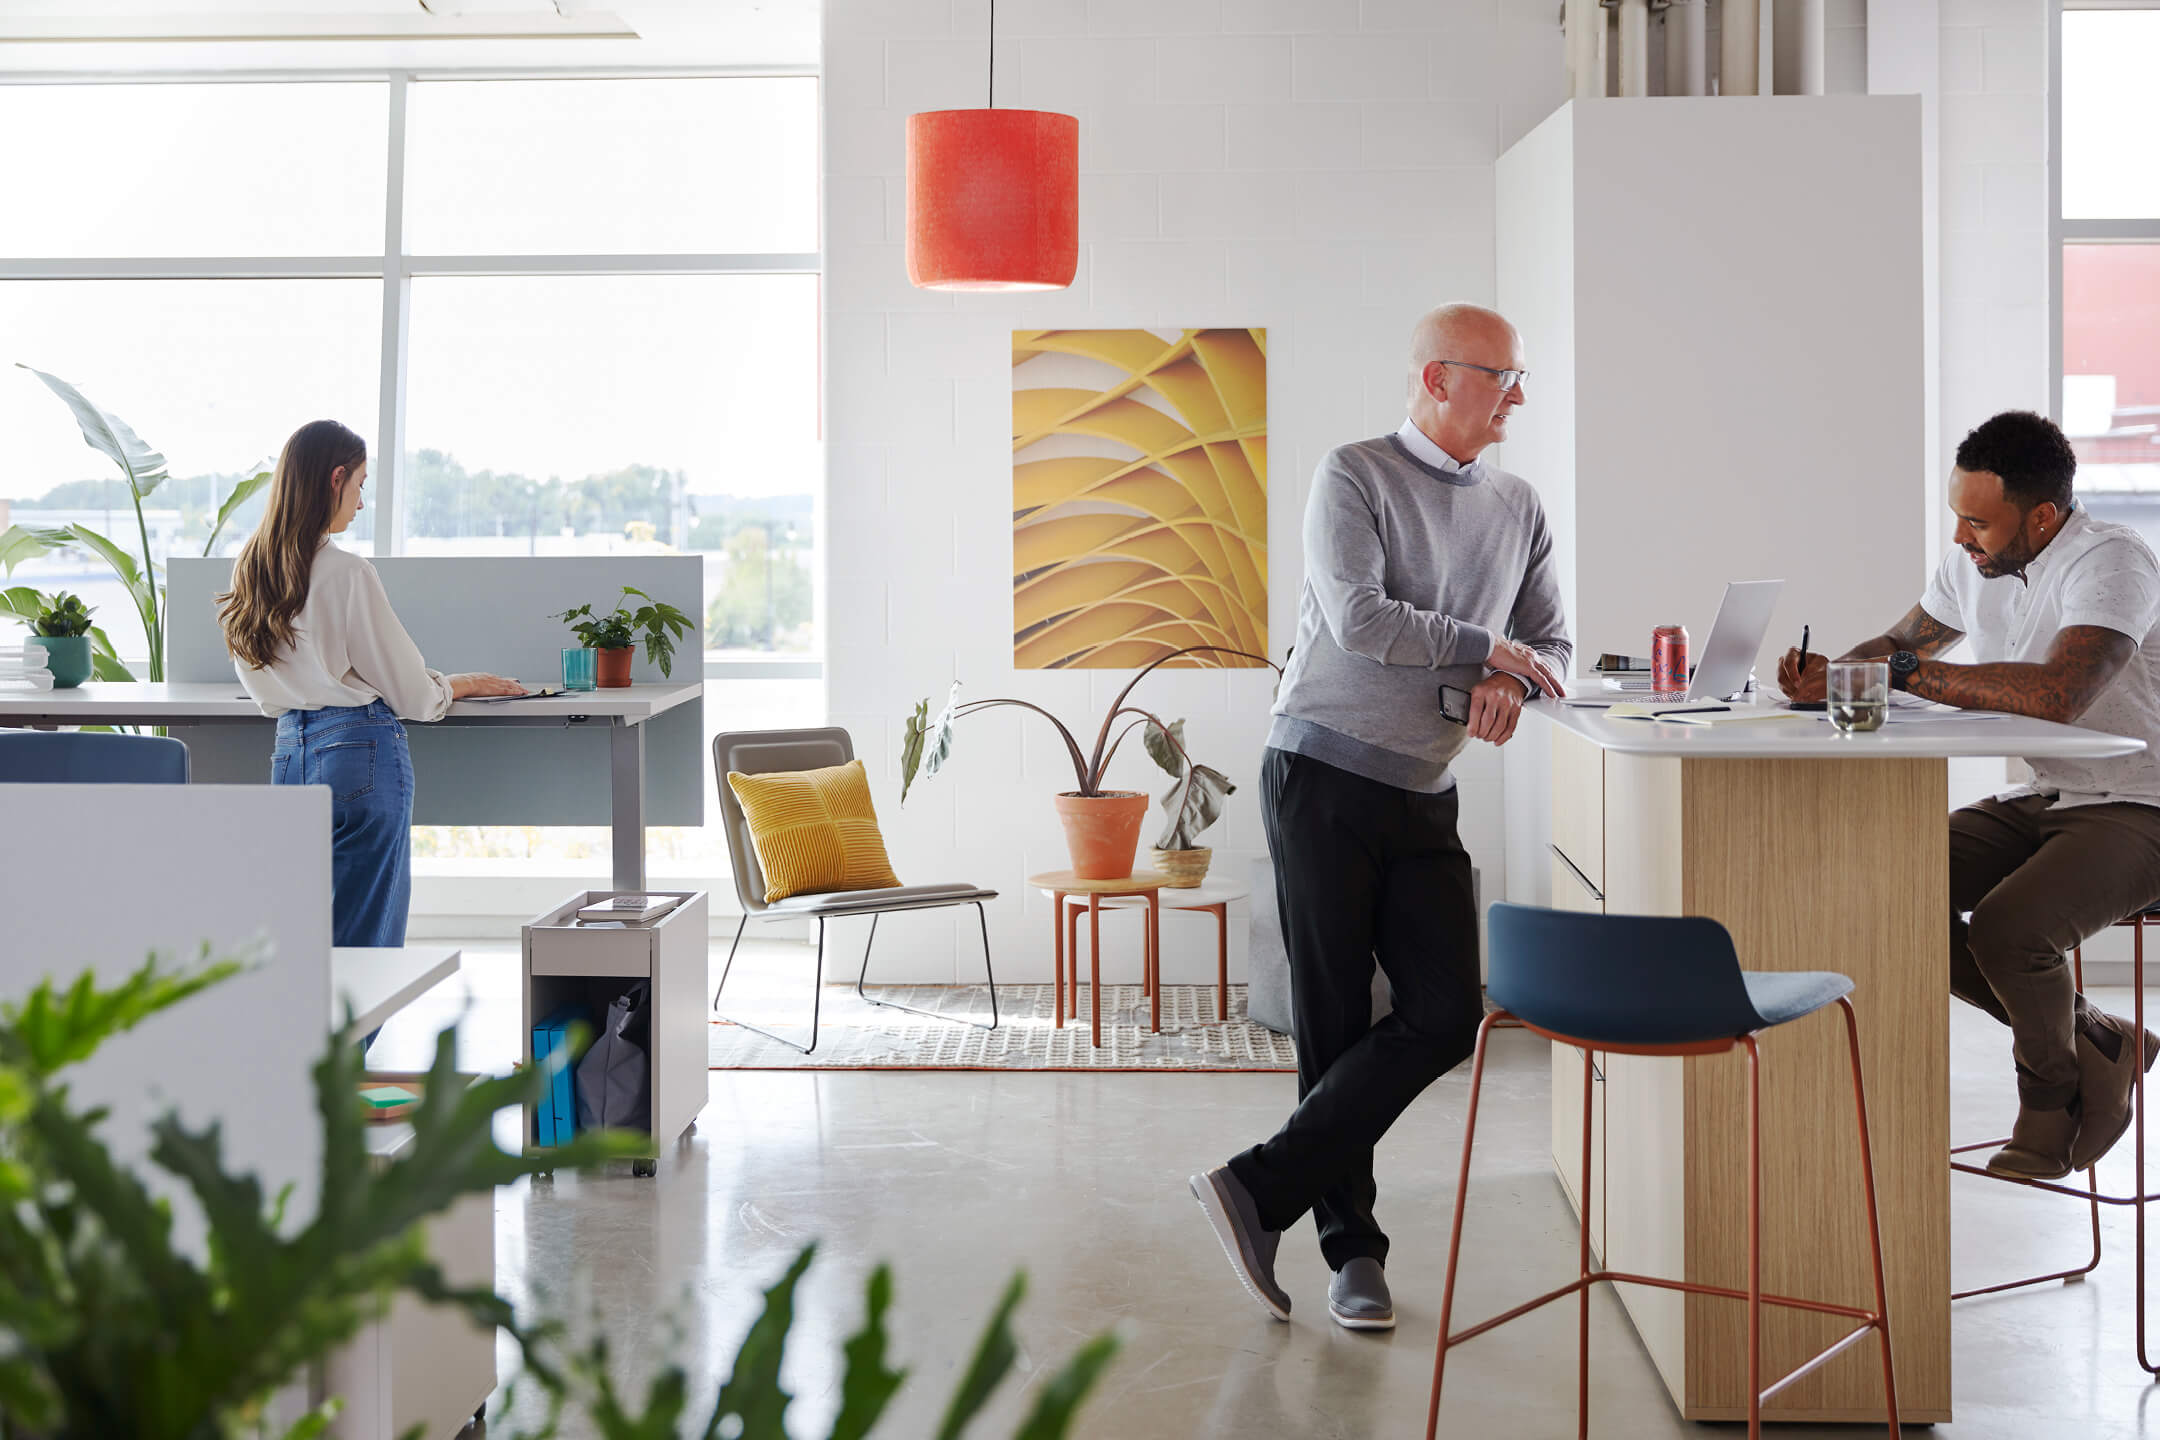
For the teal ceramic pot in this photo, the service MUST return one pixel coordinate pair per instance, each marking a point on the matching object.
(68, 656)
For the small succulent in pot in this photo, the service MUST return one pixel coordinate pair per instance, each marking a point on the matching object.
(64, 616)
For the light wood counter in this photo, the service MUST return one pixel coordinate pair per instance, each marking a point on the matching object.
(1818, 852)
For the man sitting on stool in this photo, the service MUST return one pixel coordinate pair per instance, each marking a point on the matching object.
(2061, 610)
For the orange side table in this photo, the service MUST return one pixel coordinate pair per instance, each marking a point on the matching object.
(1141, 883)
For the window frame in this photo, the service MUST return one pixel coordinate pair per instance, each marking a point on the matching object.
(396, 266)
(2064, 232)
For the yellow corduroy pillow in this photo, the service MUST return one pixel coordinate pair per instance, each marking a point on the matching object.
(815, 830)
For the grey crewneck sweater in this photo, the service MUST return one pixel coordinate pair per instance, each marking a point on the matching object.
(1409, 572)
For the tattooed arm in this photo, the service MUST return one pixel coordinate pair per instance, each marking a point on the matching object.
(1918, 632)
(2081, 663)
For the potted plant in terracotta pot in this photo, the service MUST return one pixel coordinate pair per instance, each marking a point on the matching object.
(1102, 827)
(1190, 806)
(615, 635)
(62, 630)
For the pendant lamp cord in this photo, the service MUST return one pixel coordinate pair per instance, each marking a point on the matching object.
(993, 54)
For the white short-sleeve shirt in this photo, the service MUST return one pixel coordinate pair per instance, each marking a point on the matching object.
(2091, 573)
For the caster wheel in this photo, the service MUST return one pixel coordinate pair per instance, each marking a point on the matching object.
(644, 1169)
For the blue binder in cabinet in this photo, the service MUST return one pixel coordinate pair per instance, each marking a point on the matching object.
(555, 1116)
(576, 971)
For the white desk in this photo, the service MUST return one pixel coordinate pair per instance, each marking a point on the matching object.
(624, 711)
(377, 983)
(1817, 851)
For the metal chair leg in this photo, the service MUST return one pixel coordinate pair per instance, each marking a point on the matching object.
(1462, 1202)
(1754, 1239)
(817, 992)
(1874, 1221)
(864, 973)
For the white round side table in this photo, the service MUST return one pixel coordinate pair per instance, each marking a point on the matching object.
(1212, 895)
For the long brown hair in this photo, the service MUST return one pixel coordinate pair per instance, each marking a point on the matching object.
(270, 579)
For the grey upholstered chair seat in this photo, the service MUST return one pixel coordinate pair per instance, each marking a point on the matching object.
(889, 897)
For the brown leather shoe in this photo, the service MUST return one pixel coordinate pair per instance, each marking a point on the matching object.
(2106, 1086)
(2039, 1147)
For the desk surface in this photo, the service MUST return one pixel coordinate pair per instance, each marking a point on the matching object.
(143, 703)
(378, 983)
(1908, 735)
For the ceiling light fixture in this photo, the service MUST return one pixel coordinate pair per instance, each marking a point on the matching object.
(993, 196)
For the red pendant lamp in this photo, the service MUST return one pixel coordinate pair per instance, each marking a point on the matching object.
(993, 196)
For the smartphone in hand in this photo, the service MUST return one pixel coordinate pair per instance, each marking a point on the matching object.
(1455, 704)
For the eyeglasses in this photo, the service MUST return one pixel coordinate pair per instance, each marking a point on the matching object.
(1508, 379)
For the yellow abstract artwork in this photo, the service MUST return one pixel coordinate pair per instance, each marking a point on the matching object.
(1139, 496)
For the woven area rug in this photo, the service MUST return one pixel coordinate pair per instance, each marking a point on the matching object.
(856, 1036)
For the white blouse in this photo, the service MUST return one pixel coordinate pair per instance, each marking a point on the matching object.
(348, 649)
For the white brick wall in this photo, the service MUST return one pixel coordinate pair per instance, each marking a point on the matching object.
(1320, 167)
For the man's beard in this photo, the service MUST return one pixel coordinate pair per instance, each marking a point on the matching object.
(2010, 560)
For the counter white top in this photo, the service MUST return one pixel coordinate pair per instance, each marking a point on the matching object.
(1908, 734)
(143, 703)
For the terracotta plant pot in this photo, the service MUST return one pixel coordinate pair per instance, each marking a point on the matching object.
(1102, 831)
(614, 667)
(1183, 869)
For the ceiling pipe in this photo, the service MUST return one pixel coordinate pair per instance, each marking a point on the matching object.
(1634, 47)
(1584, 21)
(1740, 47)
(1686, 37)
(1796, 49)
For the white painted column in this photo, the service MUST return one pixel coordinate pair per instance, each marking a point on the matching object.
(1740, 47)
(1797, 50)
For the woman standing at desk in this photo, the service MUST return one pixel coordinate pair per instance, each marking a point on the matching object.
(318, 647)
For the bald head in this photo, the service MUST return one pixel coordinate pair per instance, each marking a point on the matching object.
(1455, 396)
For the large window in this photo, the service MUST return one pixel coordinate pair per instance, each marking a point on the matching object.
(593, 301)
(2110, 229)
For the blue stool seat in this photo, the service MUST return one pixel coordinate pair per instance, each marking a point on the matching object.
(1640, 979)
(56, 757)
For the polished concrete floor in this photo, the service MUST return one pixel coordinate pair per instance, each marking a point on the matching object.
(958, 1179)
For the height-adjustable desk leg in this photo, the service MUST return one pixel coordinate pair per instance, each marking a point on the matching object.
(626, 777)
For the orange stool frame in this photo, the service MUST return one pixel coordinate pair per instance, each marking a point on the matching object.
(2091, 1192)
(1877, 1320)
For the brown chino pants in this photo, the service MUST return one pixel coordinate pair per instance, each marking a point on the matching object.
(2036, 881)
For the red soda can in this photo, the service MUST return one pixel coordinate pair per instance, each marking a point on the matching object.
(1668, 658)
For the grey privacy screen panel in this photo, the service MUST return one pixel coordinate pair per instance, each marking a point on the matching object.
(473, 613)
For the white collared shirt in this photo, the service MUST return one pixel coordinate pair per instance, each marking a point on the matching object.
(1421, 446)
(2092, 573)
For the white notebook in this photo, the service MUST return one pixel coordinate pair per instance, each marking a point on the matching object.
(630, 907)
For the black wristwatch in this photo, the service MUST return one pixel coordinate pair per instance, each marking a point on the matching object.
(1902, 665)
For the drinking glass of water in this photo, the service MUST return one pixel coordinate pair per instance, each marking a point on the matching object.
(1859, 694)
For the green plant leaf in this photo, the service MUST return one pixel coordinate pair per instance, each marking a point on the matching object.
(1060, 1400)
(243, 492)
(938, 739)
(911, 746)
(110, 436)
(23, 542)
(1162, 751)
(994, 1356)
(868, 1384)
(21, 602)
(1191, 806)
(752, 1393)
(105, 662)
(49, 1029)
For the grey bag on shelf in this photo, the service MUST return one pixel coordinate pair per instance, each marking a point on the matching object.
(614, 1080)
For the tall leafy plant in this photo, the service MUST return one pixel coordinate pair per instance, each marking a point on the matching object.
(926, 743)
(144, 470)
(108, 1328)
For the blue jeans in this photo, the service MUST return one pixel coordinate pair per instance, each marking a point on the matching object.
(359, 752)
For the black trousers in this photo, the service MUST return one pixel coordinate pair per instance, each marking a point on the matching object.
(1363, 872)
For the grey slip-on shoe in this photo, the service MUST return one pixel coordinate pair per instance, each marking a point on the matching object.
(1358, 1296)
(1251, 1247)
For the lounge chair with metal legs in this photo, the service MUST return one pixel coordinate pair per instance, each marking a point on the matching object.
(762, 752)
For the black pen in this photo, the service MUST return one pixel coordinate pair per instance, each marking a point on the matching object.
(1803, 649)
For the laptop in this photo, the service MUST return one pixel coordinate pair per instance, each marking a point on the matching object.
(1743, 618)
